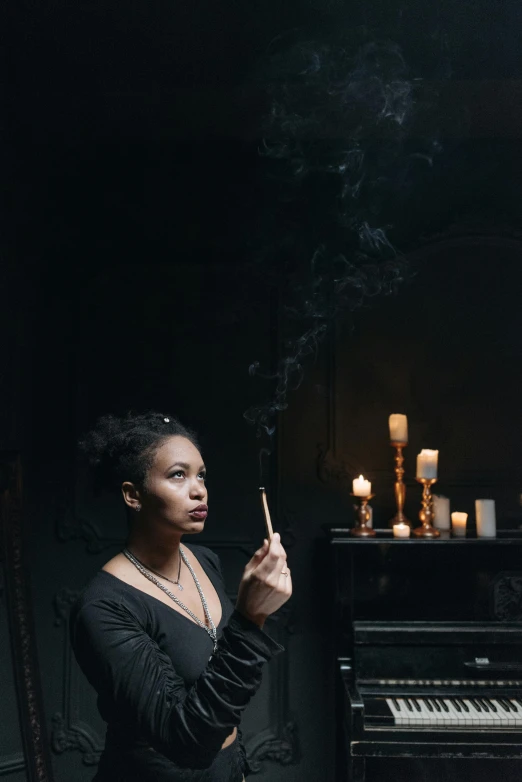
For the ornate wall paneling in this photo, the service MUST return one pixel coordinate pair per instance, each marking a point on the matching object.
(36, 758)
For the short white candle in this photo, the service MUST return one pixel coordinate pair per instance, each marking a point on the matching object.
(485, 517)
(361, 487)
(398, 428)
(458, 523)
(427, 463)
(401, 530)
(441, 509)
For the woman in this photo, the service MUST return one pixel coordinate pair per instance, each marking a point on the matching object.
(174, 663)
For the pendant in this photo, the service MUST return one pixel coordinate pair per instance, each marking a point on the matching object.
(180, 586)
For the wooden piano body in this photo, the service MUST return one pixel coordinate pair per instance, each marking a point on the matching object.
(428, 638)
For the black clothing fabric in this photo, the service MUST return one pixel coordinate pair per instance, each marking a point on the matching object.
(168, 707)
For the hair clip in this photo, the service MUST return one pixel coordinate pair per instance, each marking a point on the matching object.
(167, 420)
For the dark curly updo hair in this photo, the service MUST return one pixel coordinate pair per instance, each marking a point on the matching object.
(122, 448)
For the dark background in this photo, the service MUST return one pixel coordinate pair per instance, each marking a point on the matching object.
(152, 252)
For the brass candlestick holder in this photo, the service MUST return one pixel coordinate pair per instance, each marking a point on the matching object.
(400, 488)
(426, 514)
(361, 529)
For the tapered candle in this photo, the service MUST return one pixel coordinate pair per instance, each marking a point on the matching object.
(398, 428)
(361, 487)
(427, 463)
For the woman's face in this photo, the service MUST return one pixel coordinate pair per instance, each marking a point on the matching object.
(174, 489)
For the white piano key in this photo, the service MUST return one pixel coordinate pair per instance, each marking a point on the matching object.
(518, 715)
(425, 712)
(398, 716)
(455, 717)
(507, 717)
(439, 713)
(492, 717)
(473, 715)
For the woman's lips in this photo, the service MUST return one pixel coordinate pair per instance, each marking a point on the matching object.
(198, 514)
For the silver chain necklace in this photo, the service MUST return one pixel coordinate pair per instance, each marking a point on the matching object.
(146, 572)
(161, 574)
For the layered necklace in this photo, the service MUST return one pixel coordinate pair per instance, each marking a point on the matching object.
(148, 573)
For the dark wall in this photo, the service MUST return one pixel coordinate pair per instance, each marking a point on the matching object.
(149, 254)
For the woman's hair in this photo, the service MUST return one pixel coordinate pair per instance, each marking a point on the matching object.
(121, 449)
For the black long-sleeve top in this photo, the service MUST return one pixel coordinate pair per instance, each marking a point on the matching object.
(168, 707)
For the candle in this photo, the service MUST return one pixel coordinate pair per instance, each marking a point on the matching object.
(398, 428)
(427, 463)
(458, 522)
(361, 487)
(485, 517)
(401, 530)
(441, 509)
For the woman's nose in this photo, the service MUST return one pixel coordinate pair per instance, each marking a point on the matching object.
(197, 489)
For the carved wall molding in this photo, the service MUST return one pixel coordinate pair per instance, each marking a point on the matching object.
(10, 764)
(507, 597)
(283, 749)
(69, 732)
(30, 703)
(466, 233)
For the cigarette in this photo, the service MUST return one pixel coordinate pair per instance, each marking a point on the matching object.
(268, 523)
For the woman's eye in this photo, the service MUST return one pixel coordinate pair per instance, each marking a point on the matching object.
(203, 475)
(178, 473)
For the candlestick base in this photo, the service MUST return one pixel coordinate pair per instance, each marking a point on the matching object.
(400, 488)
(426, 514)
(361, 529)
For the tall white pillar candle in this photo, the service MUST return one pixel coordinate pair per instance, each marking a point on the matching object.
(398, 428)
(441, 507)
(485, 517)
(458, 523)
(361, 487)
(427, 463)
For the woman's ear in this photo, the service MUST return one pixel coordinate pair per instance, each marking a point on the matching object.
(131, 495)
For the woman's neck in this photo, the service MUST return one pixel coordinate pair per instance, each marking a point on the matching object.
(157, 551)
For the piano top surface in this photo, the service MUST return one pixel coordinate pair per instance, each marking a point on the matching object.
(342, 535)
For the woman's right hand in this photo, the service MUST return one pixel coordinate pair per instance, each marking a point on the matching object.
(263, 588)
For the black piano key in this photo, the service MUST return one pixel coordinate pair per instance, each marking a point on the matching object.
(428, 704)
(396, 704)
(483, 703)
(408, 704)
(464, 705)
(444, 706)
(475, 704)
(417, 706)
(456, 704)
(502, 703)
(492, 706)
(434, 702)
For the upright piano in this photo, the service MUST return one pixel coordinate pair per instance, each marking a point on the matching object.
(428, 640)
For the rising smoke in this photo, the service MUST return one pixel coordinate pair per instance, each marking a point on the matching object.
(342, 142)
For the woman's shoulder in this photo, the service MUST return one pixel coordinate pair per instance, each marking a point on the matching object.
(107, 592)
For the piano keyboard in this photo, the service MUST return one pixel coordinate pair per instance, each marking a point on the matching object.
(456, 712)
